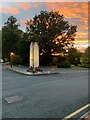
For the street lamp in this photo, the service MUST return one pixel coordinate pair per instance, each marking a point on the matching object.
(67, 51)
(11, 57)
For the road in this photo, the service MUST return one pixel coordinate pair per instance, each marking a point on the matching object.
(47, 96)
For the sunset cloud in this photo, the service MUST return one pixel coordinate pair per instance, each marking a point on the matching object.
(82, 36)
(9, 10)
(23, 6)
(76, 13)
(69, 10)
(82, 45)
(81, 41)
(15, 8)
(26, 6)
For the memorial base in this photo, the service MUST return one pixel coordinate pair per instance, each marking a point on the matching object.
(34, 70)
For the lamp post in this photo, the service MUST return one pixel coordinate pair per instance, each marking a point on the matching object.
(11, 57)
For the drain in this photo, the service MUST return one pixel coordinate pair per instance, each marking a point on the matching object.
(13, 99)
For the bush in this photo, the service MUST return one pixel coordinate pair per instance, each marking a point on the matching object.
(16, 60)
(85, 65)
(85, 58)
(62, 58)
(55, 60)
(45, 60)
(64, 64)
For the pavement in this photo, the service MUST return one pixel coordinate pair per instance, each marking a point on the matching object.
(23, 70)
(45, 70)
(51, 96)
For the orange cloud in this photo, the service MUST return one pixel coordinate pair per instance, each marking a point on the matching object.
(9, 10)
(68, 9)
(26, 6)
(80, 41)
(76, 13)
(81, 45)
(23, 6)
(81, 37)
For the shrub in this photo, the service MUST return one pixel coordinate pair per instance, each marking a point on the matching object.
(85, 58)
(16, 60)
(55, 60)
(64, 64)
(62, 58)
(85, 65)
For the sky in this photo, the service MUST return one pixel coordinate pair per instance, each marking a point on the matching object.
(75, 12)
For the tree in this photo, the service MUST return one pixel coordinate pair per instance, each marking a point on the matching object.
(51, 31)
(23, 50)
(10, 35)
(12, 23)
(16, 60)
(85, 58)
(74, 56)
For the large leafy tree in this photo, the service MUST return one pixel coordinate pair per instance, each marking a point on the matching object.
(51, 31)
(10, 35)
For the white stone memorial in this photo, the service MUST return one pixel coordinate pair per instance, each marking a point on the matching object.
(34, 55)
(34, 61)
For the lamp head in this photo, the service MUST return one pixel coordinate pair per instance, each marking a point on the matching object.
(11, 53)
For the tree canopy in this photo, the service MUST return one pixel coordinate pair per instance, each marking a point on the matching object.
(51, 31)
(12, 22)
(10, 35)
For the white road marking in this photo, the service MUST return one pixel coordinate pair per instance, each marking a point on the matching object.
(75, 71)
